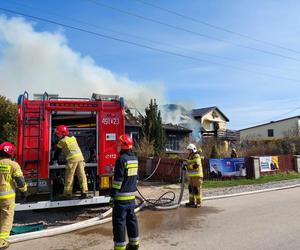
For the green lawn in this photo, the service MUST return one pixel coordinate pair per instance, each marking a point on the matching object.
(237, 182)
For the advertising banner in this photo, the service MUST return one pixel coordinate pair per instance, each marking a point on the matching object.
(227, 167)
(268, 163)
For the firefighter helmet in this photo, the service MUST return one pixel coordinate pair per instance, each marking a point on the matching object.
(126, 142)
(8, 148)
(192, 147)
(61, 130)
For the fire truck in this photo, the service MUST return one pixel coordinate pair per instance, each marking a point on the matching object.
(96, 122)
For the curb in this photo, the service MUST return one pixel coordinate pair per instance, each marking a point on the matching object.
(246, 193)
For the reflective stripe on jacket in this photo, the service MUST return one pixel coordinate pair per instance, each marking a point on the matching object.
(70, 148)
(194, 167)
(11, 177)
(125, 177)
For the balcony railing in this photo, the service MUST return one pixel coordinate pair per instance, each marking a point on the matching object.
(229, 135)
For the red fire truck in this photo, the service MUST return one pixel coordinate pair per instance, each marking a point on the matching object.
(96, 122)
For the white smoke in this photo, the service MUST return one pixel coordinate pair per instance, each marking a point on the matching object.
(180, 115)
(42, 61)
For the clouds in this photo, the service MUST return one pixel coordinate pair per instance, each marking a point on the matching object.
(43, 61)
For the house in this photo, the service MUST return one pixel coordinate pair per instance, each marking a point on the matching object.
(288, 127)
(175, 134)
(214, 124)
(133, 124)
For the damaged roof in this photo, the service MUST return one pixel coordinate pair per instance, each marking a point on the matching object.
(137, 121)
(171, 126)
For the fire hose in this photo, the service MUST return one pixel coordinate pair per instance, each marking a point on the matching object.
(163, 203)
(159, 204)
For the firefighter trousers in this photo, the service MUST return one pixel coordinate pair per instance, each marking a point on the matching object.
(124, 217)
(73, 167)
(195, 190)
(7, 210)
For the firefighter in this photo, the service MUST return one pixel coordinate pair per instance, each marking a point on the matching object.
(195, 176)
(11, 177)
(75, 161)
(123, 196)
(234, 153)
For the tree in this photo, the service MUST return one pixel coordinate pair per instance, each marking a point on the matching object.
(8, 120)
(153, 129)
(215, 152)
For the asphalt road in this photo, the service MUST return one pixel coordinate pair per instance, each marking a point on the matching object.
(260, 221)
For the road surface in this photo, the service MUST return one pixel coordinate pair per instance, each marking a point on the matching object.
(260, 221)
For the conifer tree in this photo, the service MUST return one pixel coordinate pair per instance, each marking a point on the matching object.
(153, 129)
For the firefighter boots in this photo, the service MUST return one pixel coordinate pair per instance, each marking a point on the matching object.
(190, 204)
(84, 196)
(3, 244)
(132, 247)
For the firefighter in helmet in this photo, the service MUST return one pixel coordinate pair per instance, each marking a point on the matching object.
(234, 153)
(195, 176)
(123, 196)
(75, 161)
(11, 177)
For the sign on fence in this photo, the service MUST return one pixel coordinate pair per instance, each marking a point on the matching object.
(227, 167)
(268, 163)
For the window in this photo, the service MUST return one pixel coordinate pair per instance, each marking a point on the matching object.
(135, 136)
(270, 132)
(172, 142)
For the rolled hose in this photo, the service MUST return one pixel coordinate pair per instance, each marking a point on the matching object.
(69, 228)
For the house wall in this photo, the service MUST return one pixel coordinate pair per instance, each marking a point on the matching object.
(208, 119)
(280, 129)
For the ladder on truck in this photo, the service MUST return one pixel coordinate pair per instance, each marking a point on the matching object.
(32, 117)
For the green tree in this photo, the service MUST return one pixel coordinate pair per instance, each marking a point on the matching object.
(153, 129)
(8, 120)
(215, 152)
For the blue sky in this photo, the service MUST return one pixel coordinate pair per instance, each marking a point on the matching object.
(250, 88)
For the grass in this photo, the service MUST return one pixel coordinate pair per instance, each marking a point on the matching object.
(242, 181)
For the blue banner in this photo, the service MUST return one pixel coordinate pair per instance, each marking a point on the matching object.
(227, 167)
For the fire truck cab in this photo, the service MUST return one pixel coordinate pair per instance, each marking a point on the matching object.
(96, 122)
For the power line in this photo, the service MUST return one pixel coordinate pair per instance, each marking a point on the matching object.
(144, 46)
(191, 31)
(216, 27)
(142, 38)
(145, 39)
(274, 117)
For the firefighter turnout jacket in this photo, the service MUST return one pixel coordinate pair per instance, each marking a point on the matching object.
(11, 177)
(194, 166)
(70, 148)
(125, 177)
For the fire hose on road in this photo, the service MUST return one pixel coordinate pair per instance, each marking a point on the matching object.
(160, 204)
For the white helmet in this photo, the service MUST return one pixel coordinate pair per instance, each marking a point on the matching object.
(192, 147)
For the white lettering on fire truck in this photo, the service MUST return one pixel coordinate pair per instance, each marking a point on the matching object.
(111, 156)
(110, 120)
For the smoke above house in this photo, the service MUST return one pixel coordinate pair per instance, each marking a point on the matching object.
(180, 115)
(38, 61)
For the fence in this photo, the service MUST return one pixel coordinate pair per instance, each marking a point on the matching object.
(168, 169)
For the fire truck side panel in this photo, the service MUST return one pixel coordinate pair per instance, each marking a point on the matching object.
(35, 126)
(111, 126)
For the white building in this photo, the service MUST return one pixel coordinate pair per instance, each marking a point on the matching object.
(289, 127)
